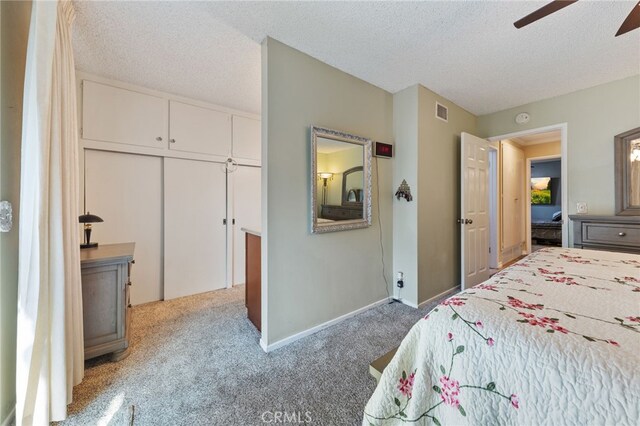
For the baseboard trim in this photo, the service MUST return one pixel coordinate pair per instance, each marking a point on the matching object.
(445, 293)
(287, 340)
(10, 418)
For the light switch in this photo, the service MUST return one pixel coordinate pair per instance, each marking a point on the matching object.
(6, 216)
(581, 208)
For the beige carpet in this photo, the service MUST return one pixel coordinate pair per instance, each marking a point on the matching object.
(197, 361)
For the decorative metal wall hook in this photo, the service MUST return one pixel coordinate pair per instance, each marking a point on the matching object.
(404, 191)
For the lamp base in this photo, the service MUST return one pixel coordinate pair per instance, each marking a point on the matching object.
(90, 245)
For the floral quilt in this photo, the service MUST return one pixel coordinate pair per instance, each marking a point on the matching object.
(552, 340)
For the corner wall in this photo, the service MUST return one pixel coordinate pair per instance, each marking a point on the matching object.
(593, 116)
(439, 193)
(14, 17)
(310, 279)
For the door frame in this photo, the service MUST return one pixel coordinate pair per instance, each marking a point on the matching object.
(527, 220)
(494, 206)
(562, 127)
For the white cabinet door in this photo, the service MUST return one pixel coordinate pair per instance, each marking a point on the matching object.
(126, 191)
(513, 232)
(194, 233)
(246, 138)
(199, 130)
(112, 114)
(245, 188)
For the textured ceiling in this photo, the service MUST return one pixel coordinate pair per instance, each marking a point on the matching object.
(469, 52)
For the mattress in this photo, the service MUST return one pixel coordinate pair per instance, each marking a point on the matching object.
(552, 340)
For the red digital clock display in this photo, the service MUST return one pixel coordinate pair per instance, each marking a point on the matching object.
(383, 150)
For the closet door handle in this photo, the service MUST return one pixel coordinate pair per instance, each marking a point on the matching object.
(159, 138)
(172, 140)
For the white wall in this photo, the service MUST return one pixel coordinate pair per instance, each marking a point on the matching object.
(14, 18)
(311, 279)
(593, 116)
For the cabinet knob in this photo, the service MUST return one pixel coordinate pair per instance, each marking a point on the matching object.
(172, 140)
(622, 234)
(159, 138)
(129, 305)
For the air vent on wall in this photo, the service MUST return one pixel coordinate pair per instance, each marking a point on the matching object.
(442, 112)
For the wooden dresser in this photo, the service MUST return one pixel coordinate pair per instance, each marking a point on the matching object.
(611, 233)
(341, 212)
(253, 277)
(106, 309)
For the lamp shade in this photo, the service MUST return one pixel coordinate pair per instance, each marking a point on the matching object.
(89, 218)
(325, 175)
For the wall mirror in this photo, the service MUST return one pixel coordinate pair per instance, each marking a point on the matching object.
(340, 181)
(627, 172)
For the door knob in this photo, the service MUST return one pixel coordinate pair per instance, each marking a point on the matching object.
(172, 140)
(159, 138)
(460, 221)
(622, 234)
(468, 221)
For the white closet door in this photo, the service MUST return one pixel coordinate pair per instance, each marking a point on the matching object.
(246, 138)
(112, 114)
(246, 189)
(126, 191)
(194, 233)
(199, 130)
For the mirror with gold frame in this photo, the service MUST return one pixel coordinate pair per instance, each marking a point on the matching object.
(340, 181)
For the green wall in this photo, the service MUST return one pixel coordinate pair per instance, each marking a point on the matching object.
(593, 116)
(314, 278)
(14, 17)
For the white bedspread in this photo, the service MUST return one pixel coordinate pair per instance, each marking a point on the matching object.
(552, 340)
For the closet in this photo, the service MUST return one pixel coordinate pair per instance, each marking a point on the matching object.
(178, 176)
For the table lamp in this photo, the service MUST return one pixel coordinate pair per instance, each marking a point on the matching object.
(88, 219)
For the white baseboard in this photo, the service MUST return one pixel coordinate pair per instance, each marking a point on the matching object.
(444, 294)
(10, 418)
(312, 330)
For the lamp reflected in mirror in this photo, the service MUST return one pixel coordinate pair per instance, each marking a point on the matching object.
(325, 177)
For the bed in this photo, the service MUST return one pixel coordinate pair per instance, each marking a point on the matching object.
(553, 339)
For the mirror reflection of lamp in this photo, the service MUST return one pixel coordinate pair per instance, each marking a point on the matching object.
(325, 176)
(635, 151)
(88, 219)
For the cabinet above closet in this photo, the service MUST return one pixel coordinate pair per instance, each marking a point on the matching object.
(120, 117)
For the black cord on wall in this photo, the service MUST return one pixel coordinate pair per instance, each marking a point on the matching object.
(384, 269)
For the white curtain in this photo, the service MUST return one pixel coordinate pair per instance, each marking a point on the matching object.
(50, 351)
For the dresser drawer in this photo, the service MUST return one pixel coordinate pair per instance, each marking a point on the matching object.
(609, 233)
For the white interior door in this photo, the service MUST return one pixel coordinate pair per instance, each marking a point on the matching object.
(194, 232)
(126, 191)
(474, 203)
(244, 184)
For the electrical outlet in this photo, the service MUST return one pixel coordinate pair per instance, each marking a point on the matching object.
(581, 208)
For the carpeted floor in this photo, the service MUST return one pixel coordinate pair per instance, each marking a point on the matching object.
(197, 361)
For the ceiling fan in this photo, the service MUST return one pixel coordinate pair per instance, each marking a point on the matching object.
(631, 23)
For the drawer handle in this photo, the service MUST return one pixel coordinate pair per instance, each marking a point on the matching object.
(622, 234)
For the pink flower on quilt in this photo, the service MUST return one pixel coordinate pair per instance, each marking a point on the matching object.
(637, 289)
(559, 329)
(632, 279)
(426, 316)
(514, 400)
(450, 391)
(564, 280)
(479, 324)
(574, 259)
(455, 301)
(517, 303)
(490, 341)
(406, 385)
(486, 287)
(449, 336)
(633, 319)
(613, 342)
(547, 272)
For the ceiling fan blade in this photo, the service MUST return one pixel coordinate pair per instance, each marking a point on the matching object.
(632, 22)
(545, 10)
